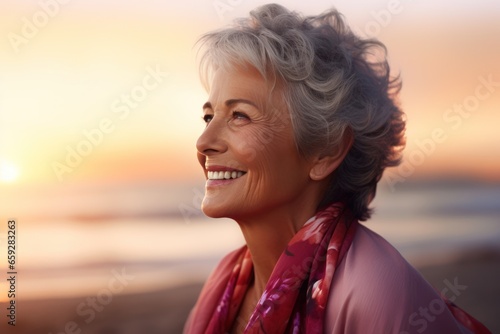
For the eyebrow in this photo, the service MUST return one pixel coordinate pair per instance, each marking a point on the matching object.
(230, 102)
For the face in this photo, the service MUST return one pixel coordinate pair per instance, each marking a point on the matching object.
(247, 150)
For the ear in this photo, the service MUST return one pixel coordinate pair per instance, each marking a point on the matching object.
(325, 164)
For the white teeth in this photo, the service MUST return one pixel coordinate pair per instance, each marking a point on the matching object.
(224, 175)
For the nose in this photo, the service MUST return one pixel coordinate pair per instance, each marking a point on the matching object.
(212, 141)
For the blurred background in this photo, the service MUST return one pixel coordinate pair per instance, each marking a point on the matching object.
(100, 109)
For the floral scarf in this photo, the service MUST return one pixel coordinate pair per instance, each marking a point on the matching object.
(297, 293)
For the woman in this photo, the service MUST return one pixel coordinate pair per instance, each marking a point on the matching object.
(301, 122)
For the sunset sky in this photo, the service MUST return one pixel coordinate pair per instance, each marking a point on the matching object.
(66, 72)
(100, 110)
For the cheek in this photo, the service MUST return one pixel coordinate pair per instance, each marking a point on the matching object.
(261, 142)
(271, 163)
(257, 149)
(247, 146)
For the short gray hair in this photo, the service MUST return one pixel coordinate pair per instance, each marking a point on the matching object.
(334, 83)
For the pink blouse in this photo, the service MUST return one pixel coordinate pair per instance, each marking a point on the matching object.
(375, 290)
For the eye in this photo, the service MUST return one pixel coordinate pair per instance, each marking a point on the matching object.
(240, 117)
(207, 118)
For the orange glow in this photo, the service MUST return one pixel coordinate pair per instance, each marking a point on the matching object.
(73, 73)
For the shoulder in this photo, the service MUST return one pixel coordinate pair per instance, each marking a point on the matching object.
(375, 290)
(372, 277)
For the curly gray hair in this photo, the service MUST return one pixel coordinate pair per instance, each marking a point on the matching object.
(335, 85)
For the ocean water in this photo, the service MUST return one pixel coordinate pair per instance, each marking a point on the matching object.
(167, 242)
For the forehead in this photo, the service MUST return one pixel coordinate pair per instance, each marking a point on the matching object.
(242, 82)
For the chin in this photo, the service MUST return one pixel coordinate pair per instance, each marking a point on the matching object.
(214, 211)
(212, 214)
(219, 210)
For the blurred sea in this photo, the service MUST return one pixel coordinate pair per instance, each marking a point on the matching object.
(72, 240)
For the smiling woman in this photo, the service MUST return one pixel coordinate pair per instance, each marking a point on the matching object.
(301, 121)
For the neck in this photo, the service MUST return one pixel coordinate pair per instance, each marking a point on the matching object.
(267, 237)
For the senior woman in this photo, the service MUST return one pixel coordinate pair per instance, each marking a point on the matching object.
(301, 121)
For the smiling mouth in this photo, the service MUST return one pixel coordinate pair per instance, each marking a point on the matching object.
(224, 175)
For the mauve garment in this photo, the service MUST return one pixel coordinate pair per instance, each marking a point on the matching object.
(374, 291)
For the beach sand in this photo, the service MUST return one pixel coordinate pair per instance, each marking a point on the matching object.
(479, 272)
(165, 311)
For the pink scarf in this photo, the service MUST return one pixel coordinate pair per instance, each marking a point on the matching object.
(297, 292)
